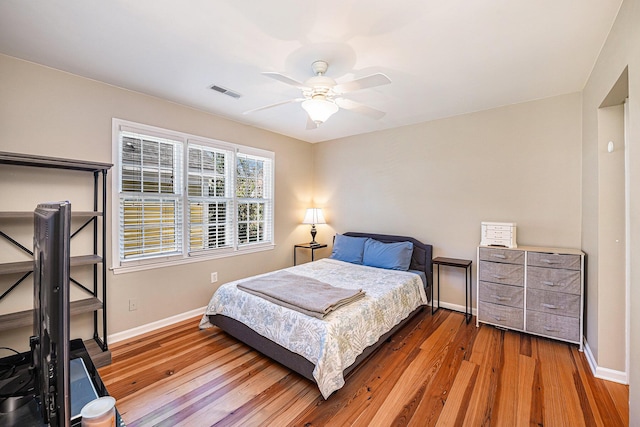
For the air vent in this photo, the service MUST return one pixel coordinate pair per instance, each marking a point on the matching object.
(225, 91)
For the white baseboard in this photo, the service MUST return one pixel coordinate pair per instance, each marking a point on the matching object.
(134, 332)
(455, 307)
(603, 373)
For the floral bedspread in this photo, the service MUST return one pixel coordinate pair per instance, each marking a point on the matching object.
(331, 344)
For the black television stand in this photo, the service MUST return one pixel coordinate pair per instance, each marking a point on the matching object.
(22, 410)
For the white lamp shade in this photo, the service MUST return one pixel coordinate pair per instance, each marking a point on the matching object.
(314, 216)
(319, 110)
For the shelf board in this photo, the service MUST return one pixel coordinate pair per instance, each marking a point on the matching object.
(16, 267)
(98, 356)
(52, 162)
(29, 214)
(25, 318)
(85, 260)
(26, 266)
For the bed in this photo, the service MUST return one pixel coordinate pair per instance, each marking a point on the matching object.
(325, 350)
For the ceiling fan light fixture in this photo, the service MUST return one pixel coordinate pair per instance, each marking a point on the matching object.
(322, 97)
(319, 110)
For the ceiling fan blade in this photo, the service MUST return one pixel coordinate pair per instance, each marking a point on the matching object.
(373, 80)
(288, 101)
(350, 105)
(311, 124)
(284, 79)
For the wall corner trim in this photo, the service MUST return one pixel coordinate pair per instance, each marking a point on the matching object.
(603, 373)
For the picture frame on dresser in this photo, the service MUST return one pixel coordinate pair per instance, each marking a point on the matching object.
(535, 290)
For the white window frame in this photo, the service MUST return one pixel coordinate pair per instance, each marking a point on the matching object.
(184, 256)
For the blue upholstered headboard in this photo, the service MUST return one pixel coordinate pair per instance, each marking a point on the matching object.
(422, 256)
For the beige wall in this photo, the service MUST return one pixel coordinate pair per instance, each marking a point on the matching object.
(438, 181)
(621, 50)
(48, 112)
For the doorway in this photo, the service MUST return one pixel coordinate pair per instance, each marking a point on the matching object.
(613, 265)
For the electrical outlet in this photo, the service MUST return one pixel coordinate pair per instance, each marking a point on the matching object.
(214, 277)
(133, 304)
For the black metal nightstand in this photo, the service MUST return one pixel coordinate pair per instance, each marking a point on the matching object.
(460, 263)
(311, 246)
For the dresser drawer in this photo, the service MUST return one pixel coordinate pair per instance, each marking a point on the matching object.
(554, 279)
(509, 317)
(541, 259)
(507, 274)
(512, 296)
(502, 255)
(566, 328)
(553, 302)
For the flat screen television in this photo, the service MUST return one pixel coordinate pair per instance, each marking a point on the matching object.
(35, 386)
(50, 340)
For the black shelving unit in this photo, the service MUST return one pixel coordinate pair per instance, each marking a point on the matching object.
(96, 301)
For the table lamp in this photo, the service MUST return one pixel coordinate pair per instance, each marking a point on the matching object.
(314, 216)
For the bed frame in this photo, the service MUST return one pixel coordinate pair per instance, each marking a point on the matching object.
(421, 260)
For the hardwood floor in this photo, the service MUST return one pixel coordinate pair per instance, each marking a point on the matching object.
(435, 371)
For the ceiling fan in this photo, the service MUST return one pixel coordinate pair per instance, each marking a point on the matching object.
(322, 96)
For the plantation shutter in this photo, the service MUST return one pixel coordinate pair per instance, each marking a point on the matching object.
(210, 198)
(254, 197)
(150, 196)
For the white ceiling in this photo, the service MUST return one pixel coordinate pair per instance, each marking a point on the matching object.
(444, 57)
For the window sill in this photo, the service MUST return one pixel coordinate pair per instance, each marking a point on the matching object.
(150, 265)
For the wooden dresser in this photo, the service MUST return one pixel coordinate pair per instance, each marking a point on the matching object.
(532, 289)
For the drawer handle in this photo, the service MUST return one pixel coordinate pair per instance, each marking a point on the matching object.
(498, 318)
(499, 256)
(549, 283)
(548, 261)
(495, 276)
(550, 329)
(499, 298)
(550, 306)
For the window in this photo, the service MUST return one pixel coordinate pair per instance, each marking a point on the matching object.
(253, 198)
(178, 197)
(210, 198)
(150, 207)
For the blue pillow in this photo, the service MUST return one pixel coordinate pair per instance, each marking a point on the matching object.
(393, 256)
(348, 249)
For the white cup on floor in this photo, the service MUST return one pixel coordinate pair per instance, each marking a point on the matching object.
(100, 412)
